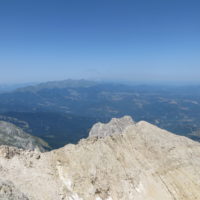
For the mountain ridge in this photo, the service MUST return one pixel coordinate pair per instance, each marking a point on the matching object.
(142, 163)
(69, 83)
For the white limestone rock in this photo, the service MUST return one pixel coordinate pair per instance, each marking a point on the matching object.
(143, 163)
(115, 126)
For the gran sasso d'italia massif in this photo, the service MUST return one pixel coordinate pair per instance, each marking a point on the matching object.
(120, 160)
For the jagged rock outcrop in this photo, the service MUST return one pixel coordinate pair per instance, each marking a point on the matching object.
(12, 135)
(143, 163)
(115, 126)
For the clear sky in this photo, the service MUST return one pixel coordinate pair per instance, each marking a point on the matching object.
(133, 40)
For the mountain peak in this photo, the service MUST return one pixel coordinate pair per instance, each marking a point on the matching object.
(145, 162)
(115, 126)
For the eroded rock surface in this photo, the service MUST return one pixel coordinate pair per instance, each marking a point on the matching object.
(143, 163)
(9, 192)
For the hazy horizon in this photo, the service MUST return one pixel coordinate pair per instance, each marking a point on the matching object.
(125, 82)
(130, 41)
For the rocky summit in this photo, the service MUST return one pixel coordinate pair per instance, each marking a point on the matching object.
(137, 161)
(115, 126)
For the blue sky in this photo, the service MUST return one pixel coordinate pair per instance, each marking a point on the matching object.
(131, 40)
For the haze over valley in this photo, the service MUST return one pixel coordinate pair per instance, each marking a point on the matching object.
(62, 112)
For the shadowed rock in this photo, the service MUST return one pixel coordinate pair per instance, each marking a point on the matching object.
(12, 135)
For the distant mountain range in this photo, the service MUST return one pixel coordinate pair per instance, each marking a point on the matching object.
(12, 87)
(62, 112)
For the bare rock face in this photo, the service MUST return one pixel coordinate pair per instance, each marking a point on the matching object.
(115, 126)
(143, 163)
(12, 135)
(9, 192)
